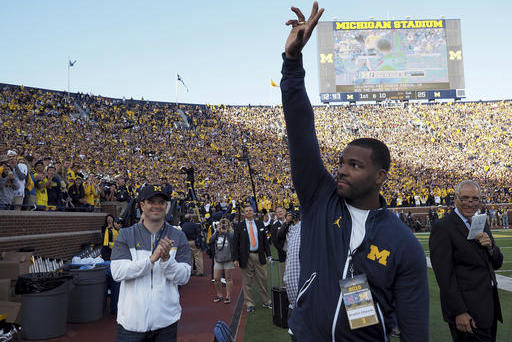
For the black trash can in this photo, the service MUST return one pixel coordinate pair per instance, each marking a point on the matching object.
(44, 304)
(88, 296)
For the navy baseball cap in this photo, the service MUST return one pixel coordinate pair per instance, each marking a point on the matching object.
(152, 190)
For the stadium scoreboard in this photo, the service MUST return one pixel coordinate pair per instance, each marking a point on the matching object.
(382, 60)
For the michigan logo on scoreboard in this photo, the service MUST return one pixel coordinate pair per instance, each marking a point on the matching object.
(326, 58)
(455, 55)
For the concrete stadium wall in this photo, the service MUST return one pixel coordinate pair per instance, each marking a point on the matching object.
(50, 234)
(421, 213)
(114, 208)
(424, 210)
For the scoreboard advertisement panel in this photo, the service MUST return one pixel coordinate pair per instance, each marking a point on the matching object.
(390, 59)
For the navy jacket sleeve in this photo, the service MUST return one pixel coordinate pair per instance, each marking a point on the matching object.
(411, 293)
(496, 255)
(306, 163)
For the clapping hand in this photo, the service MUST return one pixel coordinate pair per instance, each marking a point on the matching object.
(163, 250)
(166, 246)
(301, 30)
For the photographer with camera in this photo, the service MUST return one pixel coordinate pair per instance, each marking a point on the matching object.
(20, 171)
(8, 184)
(53, 189)
(291, 220)
(123, 192)
(221, 245)
(108, 192)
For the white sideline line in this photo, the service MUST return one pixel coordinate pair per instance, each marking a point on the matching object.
(504, 283)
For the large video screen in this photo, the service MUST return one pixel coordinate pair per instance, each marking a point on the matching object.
(388, 56)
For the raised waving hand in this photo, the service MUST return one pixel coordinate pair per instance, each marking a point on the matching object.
(301, 30)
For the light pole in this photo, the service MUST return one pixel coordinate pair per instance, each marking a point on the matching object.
(245, 157)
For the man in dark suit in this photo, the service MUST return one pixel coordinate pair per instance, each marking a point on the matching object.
(250, 252)
(280, 244)
(464, 270)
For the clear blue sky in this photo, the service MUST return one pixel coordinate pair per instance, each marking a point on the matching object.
(226, 51)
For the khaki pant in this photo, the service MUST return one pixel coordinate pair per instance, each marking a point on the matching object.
(196, 256)
(255, 273)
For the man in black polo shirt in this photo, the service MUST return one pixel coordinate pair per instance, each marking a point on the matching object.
(53, 189)
(193, 230)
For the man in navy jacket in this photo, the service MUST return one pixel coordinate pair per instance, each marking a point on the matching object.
(347, 228)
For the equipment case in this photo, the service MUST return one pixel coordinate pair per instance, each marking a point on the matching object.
(279, 298)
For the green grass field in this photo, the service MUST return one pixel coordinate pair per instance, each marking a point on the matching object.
(259, 325)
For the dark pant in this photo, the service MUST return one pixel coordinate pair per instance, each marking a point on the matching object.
(479, 335)
(113, 286)
(291, 335)
(167, 334)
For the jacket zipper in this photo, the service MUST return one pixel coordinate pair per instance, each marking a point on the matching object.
(305, 287)
(152, 247)
(340, 299)
(382, 321)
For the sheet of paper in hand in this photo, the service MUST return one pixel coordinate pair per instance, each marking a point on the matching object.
(477, 225)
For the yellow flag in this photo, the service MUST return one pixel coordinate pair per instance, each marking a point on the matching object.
(273, 84)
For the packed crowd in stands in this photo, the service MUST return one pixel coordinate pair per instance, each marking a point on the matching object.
(80, 150)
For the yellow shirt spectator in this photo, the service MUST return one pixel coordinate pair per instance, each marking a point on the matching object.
(106, 240)
(90, 193)
(41, 193)
(70, 174)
